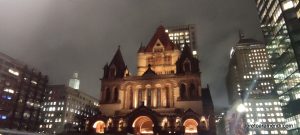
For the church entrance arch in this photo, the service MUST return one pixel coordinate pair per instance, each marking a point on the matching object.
(143, 125)
(99, 126)
(190, 127)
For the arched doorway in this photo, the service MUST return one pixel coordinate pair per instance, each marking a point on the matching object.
(190, 126)
(99, 126)
(143, 125)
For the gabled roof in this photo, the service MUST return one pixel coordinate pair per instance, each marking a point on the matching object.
(149, 72)
(163, 37)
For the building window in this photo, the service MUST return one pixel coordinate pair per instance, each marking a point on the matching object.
(193, 91)
(187, 66)
(112, 71)
(107, 96)
(182, 91)
(116, 95)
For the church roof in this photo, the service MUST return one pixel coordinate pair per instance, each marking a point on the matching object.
(118, 60)
(116, 63)
(163, 37)
(149, 72)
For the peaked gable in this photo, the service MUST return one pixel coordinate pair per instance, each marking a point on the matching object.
(162, 37)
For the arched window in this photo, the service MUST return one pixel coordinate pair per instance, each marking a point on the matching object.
(192, 91)
(112, 71)
(182, 91)
(187, 66)
(107, 96)
(116, 95)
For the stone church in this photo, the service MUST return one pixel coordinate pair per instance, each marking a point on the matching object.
(165, 97)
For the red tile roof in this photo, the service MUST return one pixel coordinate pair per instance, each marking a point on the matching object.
(164, 39)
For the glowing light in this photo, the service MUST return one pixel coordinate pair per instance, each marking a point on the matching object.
(231, 52)
(194, 52)
(287, 5)
(13, 71)
(9, 90)
(241, 108)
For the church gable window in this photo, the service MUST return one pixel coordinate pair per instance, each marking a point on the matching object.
(158, 47)
(112, 71)
(187, 66)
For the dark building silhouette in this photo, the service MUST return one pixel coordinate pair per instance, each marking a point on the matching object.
(21, 93)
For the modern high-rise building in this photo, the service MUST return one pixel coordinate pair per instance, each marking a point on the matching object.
(183, 35)
(280, 25)
(165, 97)
(74, 82)
(66, 109)
(250, 82)
(21, 94)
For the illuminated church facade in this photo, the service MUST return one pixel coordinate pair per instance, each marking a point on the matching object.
(165, 97)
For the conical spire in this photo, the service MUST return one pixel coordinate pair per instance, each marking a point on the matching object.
(117, 66)
(118, 59)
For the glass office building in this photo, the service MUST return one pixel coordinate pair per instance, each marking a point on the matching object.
(280, 25)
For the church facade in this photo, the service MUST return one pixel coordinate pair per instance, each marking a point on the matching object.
(165, 97)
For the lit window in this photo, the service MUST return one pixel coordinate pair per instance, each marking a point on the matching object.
(287, 5)
(13, 71)
(34, 82)
(9, 90)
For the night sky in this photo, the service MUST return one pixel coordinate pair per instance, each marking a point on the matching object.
(59, 37)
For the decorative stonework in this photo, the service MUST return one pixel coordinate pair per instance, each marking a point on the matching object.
(163, 98)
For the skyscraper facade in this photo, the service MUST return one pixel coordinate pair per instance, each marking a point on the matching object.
(165, 97)
(21, 94)
(65, 109)
(281, 28)
(183, 35)
(250, 80)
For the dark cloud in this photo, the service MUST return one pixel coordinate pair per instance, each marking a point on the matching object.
(61, 37)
